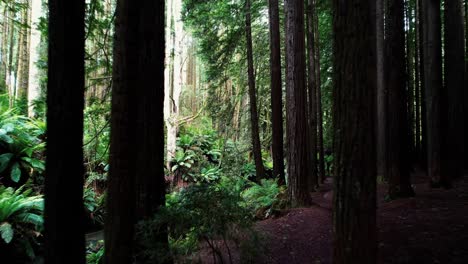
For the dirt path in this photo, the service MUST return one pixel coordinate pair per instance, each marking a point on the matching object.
(429, 228)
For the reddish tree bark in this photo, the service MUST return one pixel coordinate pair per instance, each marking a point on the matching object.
(276, 92)
(355, 86)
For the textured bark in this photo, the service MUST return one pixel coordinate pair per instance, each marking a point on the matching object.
(355, 86)
(433, 89)
(136, 176)
(34, 90)
(255, 133)
(398, 140)
(4, 49)
(312, 96)
(64, 162)
(453, 105)
(276, 92)
(382, 120)
(172, 104)
(23, 62)
(296, 104)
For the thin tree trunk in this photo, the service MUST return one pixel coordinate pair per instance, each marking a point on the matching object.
(417, 82)
(312, 96)
(256, 146)
(321, 160)
(64, 162)
(422, 89)
(355, 87)
(398, 140)
(409, 83)
(453, 127)
(276, 92)
(433, 89)
(34, 90)
(23, 63)
(382, 121)
(296, 104)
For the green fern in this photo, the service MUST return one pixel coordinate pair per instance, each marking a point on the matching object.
(19, 209)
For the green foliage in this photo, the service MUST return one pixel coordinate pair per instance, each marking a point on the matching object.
(210, 214)
(96, 255)
(21, 146)
(264, 198)
(96, 136)
(20, 218)
(198, 155)
(94, 206)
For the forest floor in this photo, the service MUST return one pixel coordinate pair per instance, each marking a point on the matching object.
(431, 227)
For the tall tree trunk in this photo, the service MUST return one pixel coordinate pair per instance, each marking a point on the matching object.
(422, 89)
(409, 82)
(321, 160)
(433, 89)
(175, 87)
(34, 90)
(3, 50)
(312, 96)
(466, 81)
(256, 146)
(296, 104)
(23, 63)
(136, 176)
(398, 140)
(276, 92)
(382, 121)
(9, 69)
(354, 202)
(417, 82)
(453, 128)
(64, 162)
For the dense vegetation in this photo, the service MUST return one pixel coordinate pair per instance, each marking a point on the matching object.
(165, 130)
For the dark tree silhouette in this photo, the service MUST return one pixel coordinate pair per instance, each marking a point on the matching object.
(276, 91)
(256, 146)
(64, 211)
(311, 94)
(433, 89)
(453, 101)
(354, 95)
(136, 177)
(398, 147)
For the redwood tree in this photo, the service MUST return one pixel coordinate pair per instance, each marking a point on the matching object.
(433, 89)
(64, 211)
(453, 105)
(136, 176)
(296, 103)
(398, 147)
(312, 98)
(355, 86)
(255, 132)
(276, 91)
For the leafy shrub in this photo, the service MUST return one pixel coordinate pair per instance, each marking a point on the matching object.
(95, 254)
(262, 199)
(21, 148)
(210, 214)
(20, 220)
(94, 206)
(198, 157)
